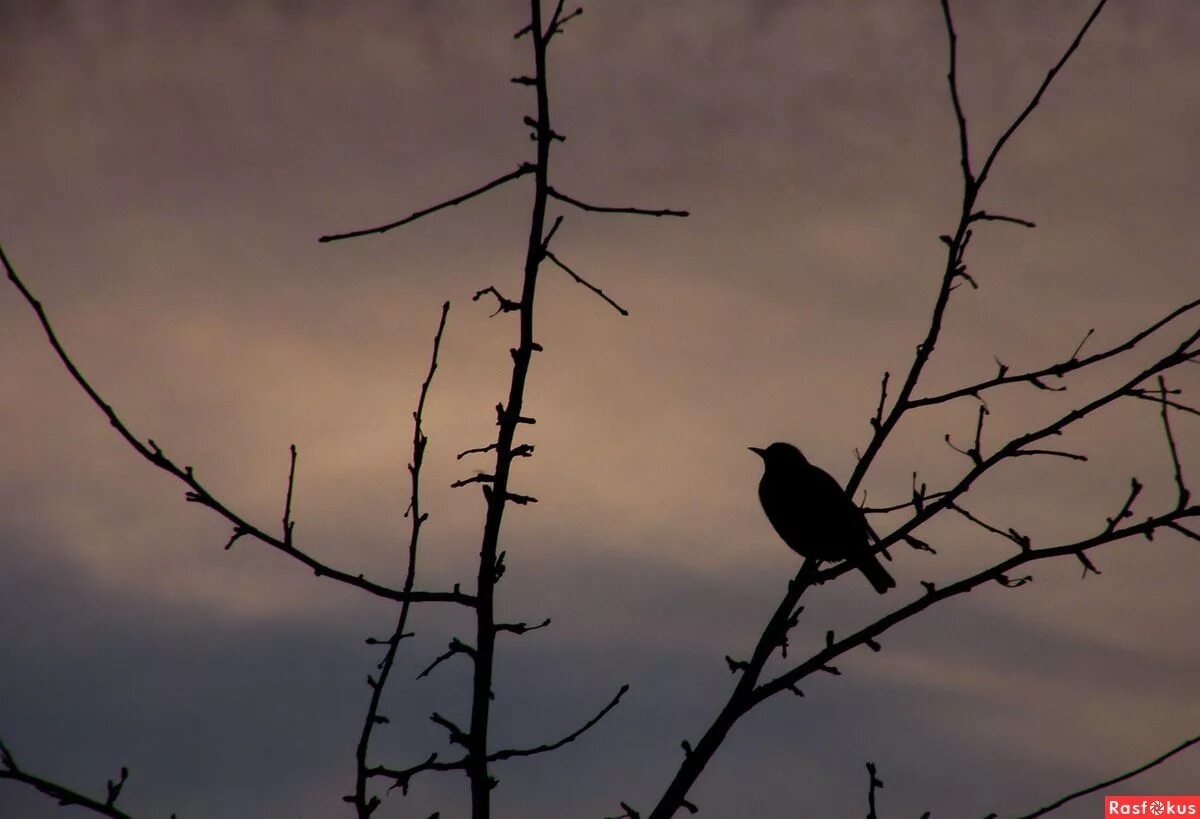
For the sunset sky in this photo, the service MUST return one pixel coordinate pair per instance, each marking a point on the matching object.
(166, 170)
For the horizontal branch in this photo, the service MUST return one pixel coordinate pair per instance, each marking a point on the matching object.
(198, 494)
(523, 169)
(562, 197)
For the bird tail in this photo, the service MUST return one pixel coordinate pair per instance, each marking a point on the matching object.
(879, 577)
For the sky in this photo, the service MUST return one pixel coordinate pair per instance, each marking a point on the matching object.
(166, 170)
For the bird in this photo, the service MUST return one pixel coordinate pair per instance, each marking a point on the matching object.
(813, 515)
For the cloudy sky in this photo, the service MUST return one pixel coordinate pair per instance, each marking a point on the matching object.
(166, 170)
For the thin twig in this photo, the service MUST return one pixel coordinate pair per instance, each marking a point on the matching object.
(1116, 779)
(586, 283)
(570, 200)
(521, 170)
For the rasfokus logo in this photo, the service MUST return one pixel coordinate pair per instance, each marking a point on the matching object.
(1151, 806)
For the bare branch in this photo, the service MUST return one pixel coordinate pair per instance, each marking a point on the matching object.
(569, 738)
(504, 305)
(1037, 97)
(288, 525)
(562, 197)
(964, 150)
(521, 628)
(1184, 494)
(877, 419)
(65, 796)
(1116, 779)
(1061, 368)
(522, 169)
(364, 805)
(456, 647)
(998, 572)
(198, 494)
(586, 283)
(873, 784)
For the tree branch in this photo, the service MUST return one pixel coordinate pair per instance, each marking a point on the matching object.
(364, 805)
(522, 170)
(1116, 779)
(198, 494)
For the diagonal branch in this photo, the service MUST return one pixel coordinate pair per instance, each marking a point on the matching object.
(586, 283)
(569, 738)
(200, 495)
(522, 169)
(957, 243)
(997, 572)
(1037, 97)
(1116, 779)
(65, 796)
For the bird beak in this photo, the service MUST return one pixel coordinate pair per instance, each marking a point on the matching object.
(762, 453)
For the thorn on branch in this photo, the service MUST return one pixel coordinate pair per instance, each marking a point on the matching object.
(918, 544)
(456, 734)
(533, 123)
(736, 665)
(877, 421)
(238, 532)
(1075, 355)
(550, 234)
(630, 813)
(114, 788)
(1088, 565)
(1042, 385)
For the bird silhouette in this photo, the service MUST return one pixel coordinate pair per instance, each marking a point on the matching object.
(813, 515)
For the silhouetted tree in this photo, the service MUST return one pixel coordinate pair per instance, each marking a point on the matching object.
(896, 524)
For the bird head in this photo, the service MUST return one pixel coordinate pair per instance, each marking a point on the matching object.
(780, 454)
